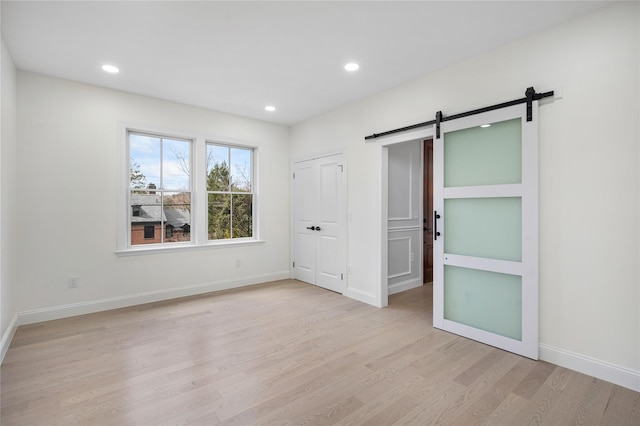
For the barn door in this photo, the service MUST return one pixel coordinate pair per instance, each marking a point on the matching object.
(486, 229)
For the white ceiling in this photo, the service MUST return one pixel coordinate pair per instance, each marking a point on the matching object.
(237, 57)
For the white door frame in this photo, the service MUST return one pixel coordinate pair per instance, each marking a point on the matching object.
(292, 209)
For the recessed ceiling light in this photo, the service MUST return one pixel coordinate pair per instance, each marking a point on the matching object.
(111, 69)
(485, 125)
(351, 66)
(270, 108)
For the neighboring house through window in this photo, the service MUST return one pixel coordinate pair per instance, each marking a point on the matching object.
(160, 188)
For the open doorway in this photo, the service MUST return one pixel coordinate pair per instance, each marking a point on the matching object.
(410, 225)
(421, 296)
(410, 215)
(404, 216)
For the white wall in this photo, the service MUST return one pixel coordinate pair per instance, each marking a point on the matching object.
(68, 188)
(8, 200)
(589, 180)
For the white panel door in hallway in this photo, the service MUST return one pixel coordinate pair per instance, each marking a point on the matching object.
(319, 213)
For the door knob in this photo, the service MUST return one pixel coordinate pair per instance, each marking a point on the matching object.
(313, 228)
(317, 228)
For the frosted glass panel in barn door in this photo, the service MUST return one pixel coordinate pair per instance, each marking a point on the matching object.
(319, 222)
(486, 220)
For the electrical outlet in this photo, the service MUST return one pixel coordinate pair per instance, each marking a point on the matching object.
(73, 282)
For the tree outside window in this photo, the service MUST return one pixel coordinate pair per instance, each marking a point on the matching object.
(229, 192)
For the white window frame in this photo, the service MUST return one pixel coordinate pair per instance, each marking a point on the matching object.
(199, 228)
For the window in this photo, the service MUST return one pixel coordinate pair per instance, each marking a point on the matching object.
(149, 231)
(159, 188)
(184, 192)
(230, 194)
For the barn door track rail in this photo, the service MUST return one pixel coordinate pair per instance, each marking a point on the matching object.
(530, 95)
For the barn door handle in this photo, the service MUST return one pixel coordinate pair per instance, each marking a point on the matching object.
(436, 216)
(313, 228)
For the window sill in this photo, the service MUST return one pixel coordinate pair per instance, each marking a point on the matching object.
(135, 251)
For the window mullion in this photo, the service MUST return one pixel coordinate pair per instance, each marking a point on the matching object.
(230, 209)
(199, 201)
(161, 190)
(230, 196)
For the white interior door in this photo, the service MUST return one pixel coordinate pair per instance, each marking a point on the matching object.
(486, 219)
(319, 222)
(304, 241)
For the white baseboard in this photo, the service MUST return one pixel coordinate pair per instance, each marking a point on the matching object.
(7, 336)
(361, 296)
(615, 374)
(404, 286)
(74, 309)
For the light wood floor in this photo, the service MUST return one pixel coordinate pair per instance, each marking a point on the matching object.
(286, 353)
